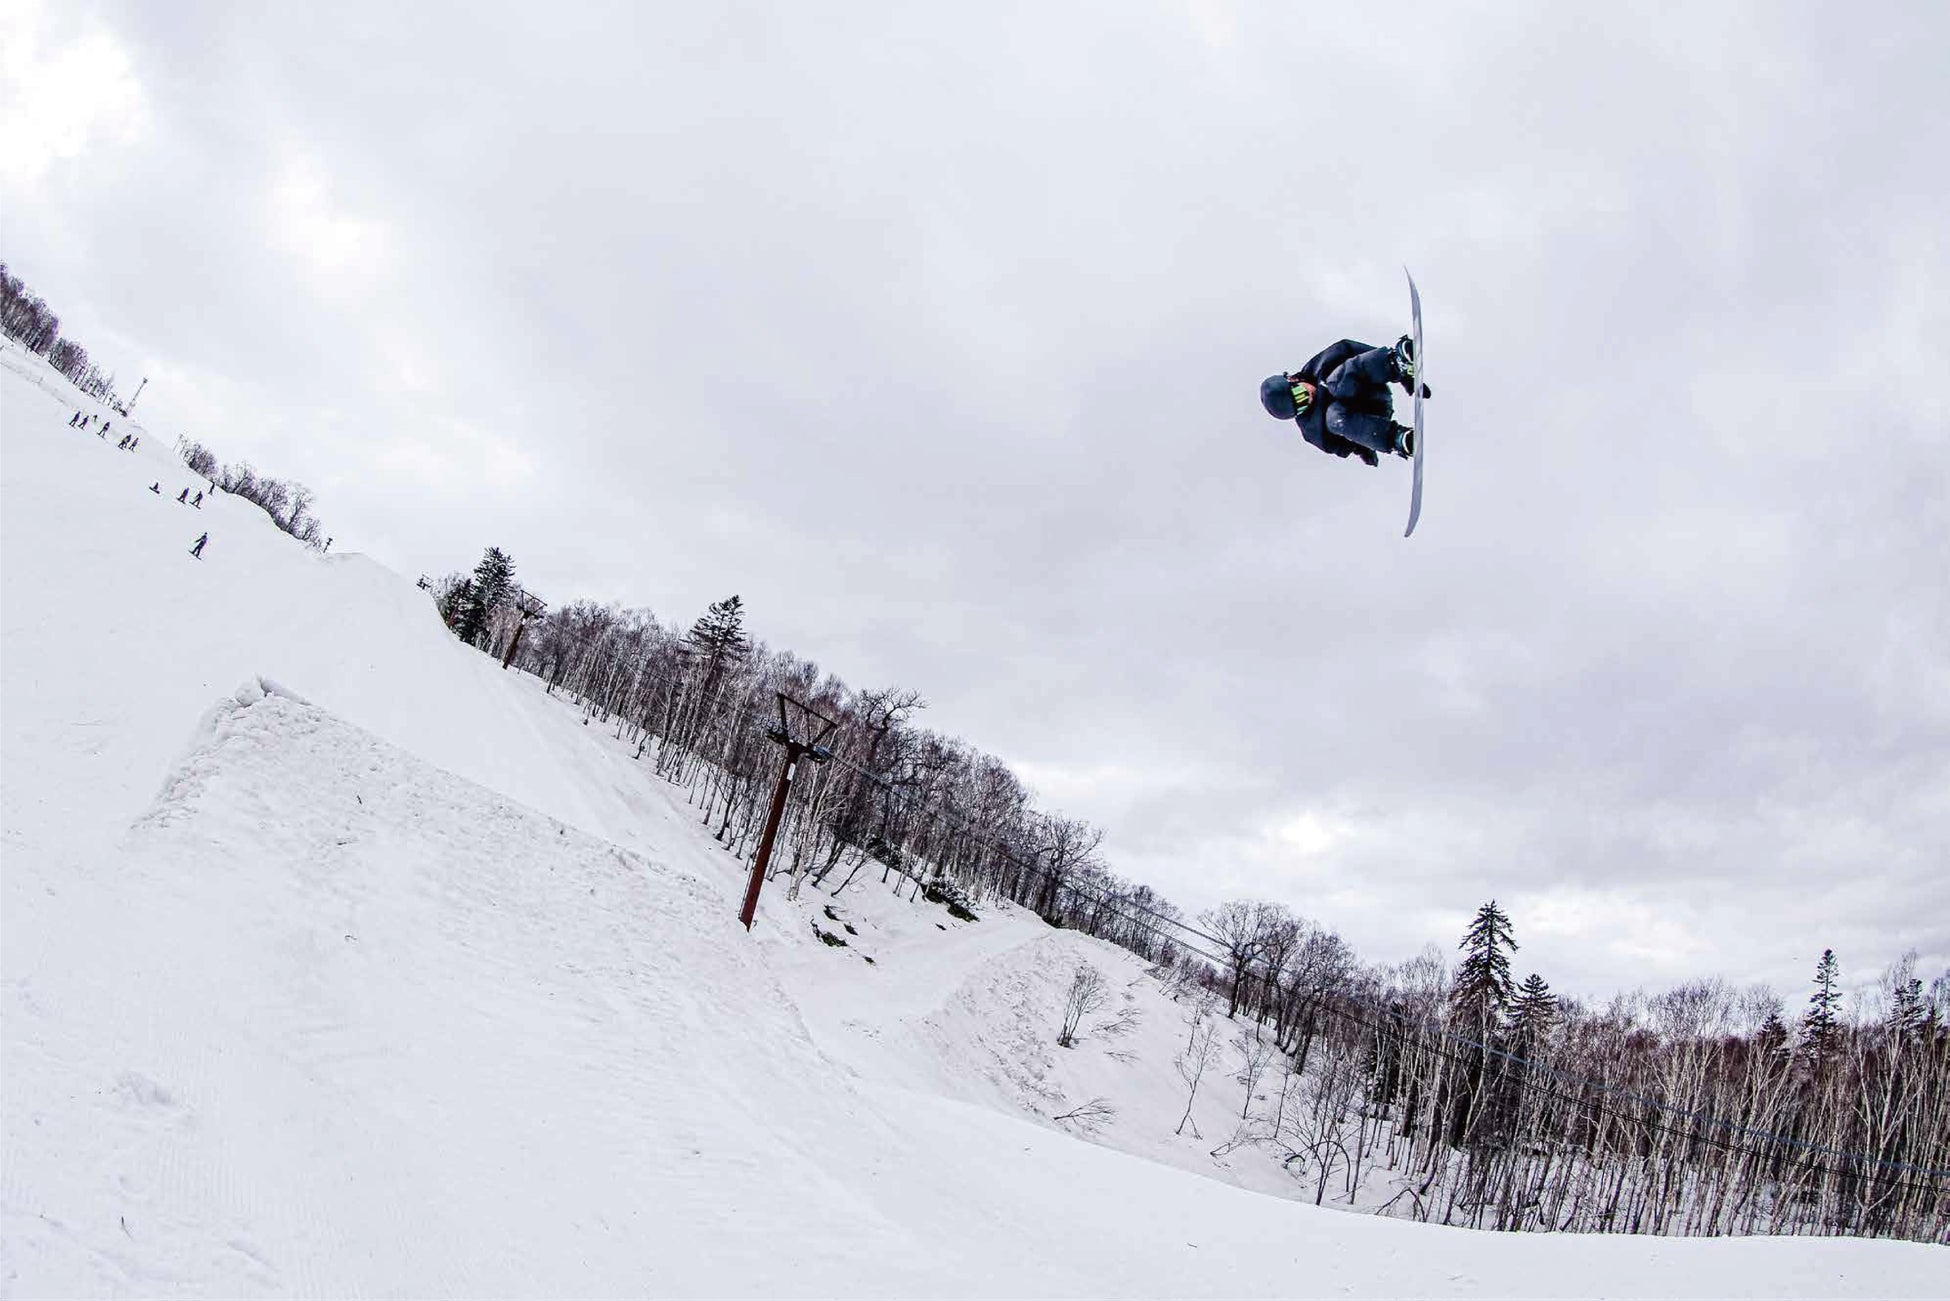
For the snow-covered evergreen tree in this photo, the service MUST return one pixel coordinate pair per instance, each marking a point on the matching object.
(1821, 1025)
(451, 596)
(1908, 1009)
(719, 633)
(492, 585)
(1532, 1013)
(1772, 1038)
(1483, 990)
(718, 640)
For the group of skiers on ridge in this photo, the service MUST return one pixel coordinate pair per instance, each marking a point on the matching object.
(86, 422)
(128, 444)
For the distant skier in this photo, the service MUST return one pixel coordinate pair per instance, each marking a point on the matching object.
(123, 446)
(197, 550)
(1341, 402)
(183, 496)
(328, 544)
(74, 420)
(198, 503)
(156, 487)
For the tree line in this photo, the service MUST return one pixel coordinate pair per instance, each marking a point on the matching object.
(288, 503)
(1470, 1098)
(1467, 1096)
(898, 800)
(27, 319)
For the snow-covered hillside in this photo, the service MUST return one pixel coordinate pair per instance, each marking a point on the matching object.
(337, 960)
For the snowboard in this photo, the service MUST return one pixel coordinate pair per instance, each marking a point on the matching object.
(1421, 374)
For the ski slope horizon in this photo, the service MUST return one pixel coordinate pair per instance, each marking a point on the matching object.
(337, 959)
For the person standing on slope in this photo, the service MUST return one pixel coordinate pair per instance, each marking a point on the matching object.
(1341, 402)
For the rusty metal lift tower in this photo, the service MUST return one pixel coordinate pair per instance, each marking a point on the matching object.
(795, 750)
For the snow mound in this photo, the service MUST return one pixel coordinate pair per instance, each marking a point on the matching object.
(348, 1017)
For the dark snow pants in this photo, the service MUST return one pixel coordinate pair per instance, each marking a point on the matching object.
(1360, 407)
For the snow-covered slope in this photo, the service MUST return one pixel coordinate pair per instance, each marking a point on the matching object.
(335, 960)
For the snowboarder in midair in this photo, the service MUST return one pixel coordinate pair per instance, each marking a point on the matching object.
(1341, 402)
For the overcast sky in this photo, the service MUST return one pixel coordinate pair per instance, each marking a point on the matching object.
(936, 334)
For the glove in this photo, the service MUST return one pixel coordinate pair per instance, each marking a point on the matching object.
(1367, 456)
(1303, 397)
(1408, 386)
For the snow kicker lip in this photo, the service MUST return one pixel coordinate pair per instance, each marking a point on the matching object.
(216, 725)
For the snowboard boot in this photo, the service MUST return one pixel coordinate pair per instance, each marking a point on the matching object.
(1405, 366)
(1404, 440)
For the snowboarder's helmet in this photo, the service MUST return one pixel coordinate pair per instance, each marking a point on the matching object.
(1276, 395)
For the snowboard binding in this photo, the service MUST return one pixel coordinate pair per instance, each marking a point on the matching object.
(1405, 366)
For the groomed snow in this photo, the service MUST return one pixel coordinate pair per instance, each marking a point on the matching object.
(335, 960)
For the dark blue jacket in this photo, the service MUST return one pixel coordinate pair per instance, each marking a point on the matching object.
(1319, 371)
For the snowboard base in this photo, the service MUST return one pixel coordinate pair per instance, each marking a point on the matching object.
(1421, 373)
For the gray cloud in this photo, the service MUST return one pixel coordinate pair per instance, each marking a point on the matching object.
(935, 336)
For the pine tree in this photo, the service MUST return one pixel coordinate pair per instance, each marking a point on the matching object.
(718, 639)
(1532, 1014)
(1483, 991)
(1820, 1026)
(1908, 1010)
(456, 602)
(493, 584)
